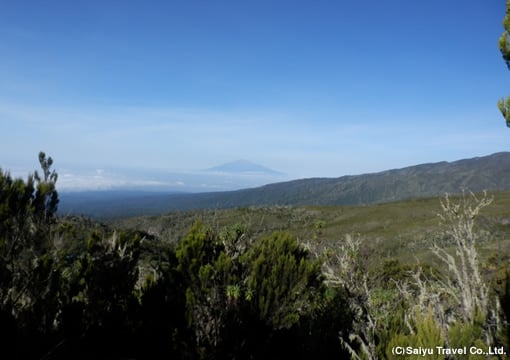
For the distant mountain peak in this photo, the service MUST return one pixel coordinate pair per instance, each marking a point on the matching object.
(243, 166)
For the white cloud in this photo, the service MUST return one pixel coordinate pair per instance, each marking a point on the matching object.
(301, 145)
(106, 181)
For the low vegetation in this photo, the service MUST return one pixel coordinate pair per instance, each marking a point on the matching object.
(253, 283)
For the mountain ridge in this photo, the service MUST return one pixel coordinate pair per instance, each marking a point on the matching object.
(243, 166)
(491, 172)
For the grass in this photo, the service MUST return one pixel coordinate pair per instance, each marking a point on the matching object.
(402, 230)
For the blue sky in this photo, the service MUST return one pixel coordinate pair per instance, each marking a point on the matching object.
(309, 88)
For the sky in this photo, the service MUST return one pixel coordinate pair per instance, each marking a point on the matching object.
(315, 88)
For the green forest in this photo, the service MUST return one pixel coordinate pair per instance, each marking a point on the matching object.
(71, 287)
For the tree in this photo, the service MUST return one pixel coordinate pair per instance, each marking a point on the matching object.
(97, 295)
(284, 280)
(28, 283)
(504, 46)
(27, 212)
(46, 196)
(257, 299)
(455, 309)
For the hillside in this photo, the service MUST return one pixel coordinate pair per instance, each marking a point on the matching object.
(402, 229)
(426, 180)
